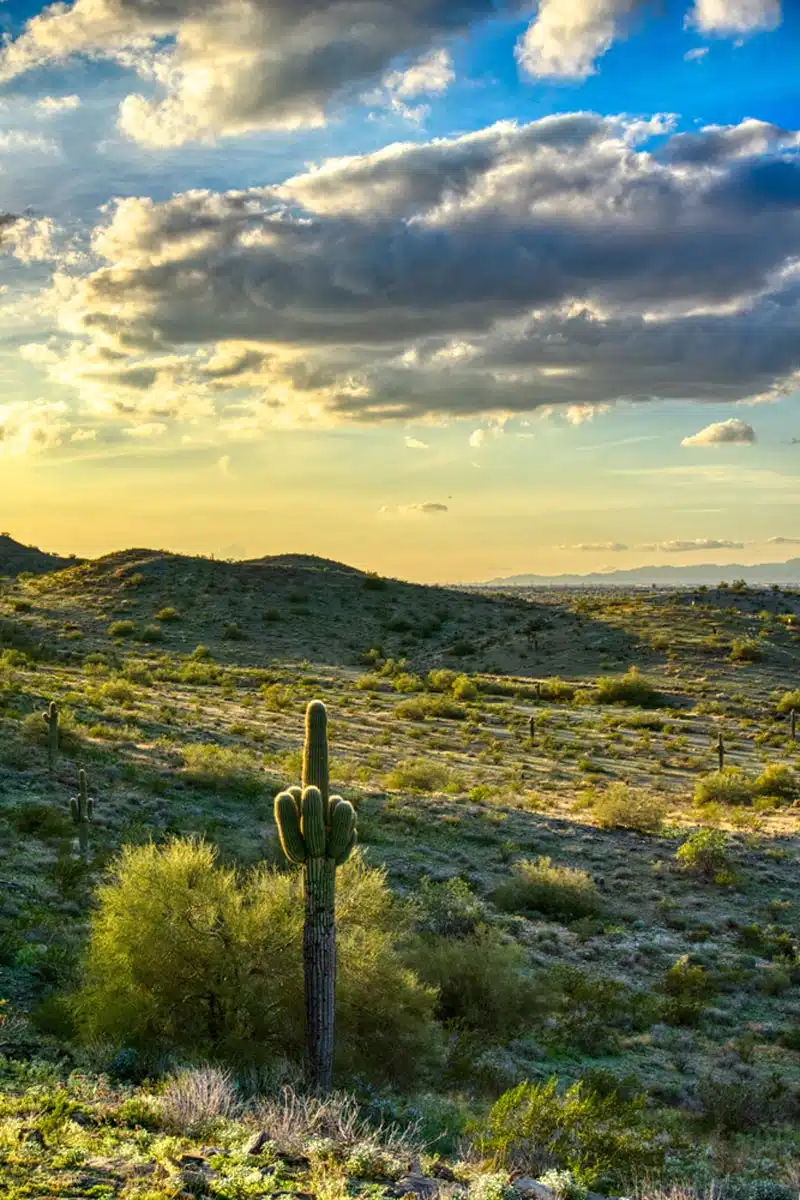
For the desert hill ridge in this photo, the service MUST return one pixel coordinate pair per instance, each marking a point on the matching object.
(691, 575)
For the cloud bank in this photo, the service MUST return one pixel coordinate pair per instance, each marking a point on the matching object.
(563, 263)
(223, 67)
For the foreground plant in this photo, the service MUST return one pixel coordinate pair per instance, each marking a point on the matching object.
(317, 832)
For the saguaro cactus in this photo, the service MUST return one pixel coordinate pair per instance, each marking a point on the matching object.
(50, 718)
(794, 724)
(80, 808)
(317, 832)
(721, 752)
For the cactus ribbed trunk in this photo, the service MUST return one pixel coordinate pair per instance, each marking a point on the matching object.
(319, 959)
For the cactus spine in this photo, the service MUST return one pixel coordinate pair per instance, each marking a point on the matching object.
(721, 752)
(317, 832)
(80, 808)
(50, 718)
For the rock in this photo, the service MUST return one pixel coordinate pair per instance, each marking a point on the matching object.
(423, 1186)
(529, 1187)
(258, 1143)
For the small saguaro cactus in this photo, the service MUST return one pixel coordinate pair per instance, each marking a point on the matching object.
(318, 833)
(531, 726)
(794, 724)
(721, 751)
(50, 718)
(80, 808)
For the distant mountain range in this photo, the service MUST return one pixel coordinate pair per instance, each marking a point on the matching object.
(667, 576)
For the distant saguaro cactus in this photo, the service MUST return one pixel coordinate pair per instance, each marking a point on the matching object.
(532, 726)
(721, 751)
(317, 832)
(50, 718)
(80, 808)
(794, 724)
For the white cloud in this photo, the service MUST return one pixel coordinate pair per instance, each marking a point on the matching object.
(50, 105)
(32, 239)
(568, 36)
(151, 429)
(696, 55)
(32, 428)
(578, 414)
(415, 444)
(594, 547)
(19, 142)
(679, 547)
(732, 432)
(784, 541)
(84, 435)
(428, 76)
(428, 508)
(731, 17)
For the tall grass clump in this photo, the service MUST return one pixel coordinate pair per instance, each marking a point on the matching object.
(630, 688)
(623, 807)
(728, 786)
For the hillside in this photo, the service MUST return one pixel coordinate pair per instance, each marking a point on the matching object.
(16, 559)
(686, 575)
(527, 802)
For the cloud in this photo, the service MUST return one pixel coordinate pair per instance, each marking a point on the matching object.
(428, 508)
(220, 67)
(568, 36)
(152, 429)
(213, 68)
(784, 541)
(50, 105)
(593, 547)
(679, 547)
(696, 55)
(731, 17)
(563, 264)
(19, 142)
(32, 239)
(32, 428)
(84, 435)
(415, 444)
(732, 432)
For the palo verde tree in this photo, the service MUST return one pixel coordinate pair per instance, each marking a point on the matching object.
(317, 832)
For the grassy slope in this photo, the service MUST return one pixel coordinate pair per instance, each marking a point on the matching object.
(281, 631)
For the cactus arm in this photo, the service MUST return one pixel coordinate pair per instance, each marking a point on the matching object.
(313, 822)
(288, 821)
(315, 750)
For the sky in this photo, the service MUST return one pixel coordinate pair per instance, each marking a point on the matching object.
(446, 289)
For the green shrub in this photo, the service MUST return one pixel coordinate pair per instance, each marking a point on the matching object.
(441, 680)
(448, 909)
(789, 701)
(729, 786)
(586, 1012)
(736, 1102)
(630, 688)
(122, 629)
(565, 893)
(602, 1140)
(39, 820)
(417, 775)
(430, 706)
(465, 688)
(779, 780)
(190, 957)
(118, 691)
(705, 853)
(687, 987)
(480, 980)
(168, 613)
(222, 769)
(745, 650)
(151, 633)
(623, 807)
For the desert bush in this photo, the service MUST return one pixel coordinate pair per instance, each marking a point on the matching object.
(563, 1185)
(195, 1100)
(542, 886)
(441, 680)
(687, 988)
(734, 1101)
(122, 629)
(291, 1121)
(480, 980)
(417, 775)
(729, 786)
(448, 909)
(778, 779)
(465, 688)
(168, 613)
(39, 820)
(745, 650)
(623, 807)
(587, 1012)
(117, 691)
(34, 731)
(602, 1140)
(188, 956)
(789, 701)
(705, 852)
(151, 633)
(630, 688)
(430, 706)
(222, 769)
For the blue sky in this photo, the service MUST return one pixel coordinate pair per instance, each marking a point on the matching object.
(473, 289)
